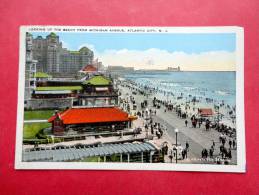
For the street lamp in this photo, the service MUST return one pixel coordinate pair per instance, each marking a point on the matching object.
(176, 132)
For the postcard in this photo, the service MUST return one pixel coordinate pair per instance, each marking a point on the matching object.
(131, 98)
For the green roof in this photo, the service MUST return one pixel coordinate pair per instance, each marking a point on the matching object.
(74, 52)
(97, 80)
(53, 34)
(58, 88)
(41, 75)
(84, 49)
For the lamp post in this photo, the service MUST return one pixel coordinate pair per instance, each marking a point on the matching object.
(176, 133)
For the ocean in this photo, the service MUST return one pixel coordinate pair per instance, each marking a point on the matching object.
(219, 86)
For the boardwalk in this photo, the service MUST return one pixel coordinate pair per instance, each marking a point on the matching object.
(198, 138)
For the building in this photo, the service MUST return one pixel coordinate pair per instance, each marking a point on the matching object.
(145, 152)
(119, 69)
(89, 69)
(174, 69)
(96, 90)
(53, 58)
(30, 68)
(90, 119)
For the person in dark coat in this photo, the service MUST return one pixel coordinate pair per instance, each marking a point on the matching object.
(186, 123)
(152, 129)
(223, 141)
(234, 144)
(187, 146)
(205, 153)
(184, 153)
(211, 152)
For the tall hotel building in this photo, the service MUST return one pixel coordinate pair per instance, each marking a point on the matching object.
(30, 67)
(53, 58)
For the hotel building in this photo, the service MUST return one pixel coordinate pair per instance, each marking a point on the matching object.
(53, 58)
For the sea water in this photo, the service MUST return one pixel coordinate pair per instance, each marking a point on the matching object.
(218, 86)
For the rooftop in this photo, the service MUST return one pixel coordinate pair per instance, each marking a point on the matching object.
(84, 49)
(91, 115)
(42, 75)
(58, 88)
(97, 80)
(52, 34)
(89, 68)
(205, 112)
(68, 154)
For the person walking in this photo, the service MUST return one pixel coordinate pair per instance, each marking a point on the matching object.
(229, 154)
(199, 124)
(234, 143)
(223, 141)
(186, 123)
(183, 154)
(213, 143)
(211, 153)
(230, 143)
(187, 146)
(206, 153)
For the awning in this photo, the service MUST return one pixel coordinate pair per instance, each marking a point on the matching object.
(70, 154)
(54, 92)
(205, 112)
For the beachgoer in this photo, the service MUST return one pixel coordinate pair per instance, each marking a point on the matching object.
(230, 143)
(206, 153)
(223, 141)
(229, 153)
(213, 143)
(187, 146)
(186, 122)
(211, 153)
(234, 143)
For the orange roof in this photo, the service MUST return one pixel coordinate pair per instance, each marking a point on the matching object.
(89, 68)
(205, 111)
(91, 115)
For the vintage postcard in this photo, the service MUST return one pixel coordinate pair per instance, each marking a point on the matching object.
(131, 98)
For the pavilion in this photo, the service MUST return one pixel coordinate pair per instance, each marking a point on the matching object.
(98, 90)
(94, 119)
(144, 152)
(88, 69)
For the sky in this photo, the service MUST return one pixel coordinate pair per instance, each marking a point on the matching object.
(206, 51)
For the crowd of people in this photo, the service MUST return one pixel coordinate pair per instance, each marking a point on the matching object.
(183, 111)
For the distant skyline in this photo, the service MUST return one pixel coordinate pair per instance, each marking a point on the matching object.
(203, 51)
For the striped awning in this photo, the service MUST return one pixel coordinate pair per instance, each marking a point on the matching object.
(54, 92)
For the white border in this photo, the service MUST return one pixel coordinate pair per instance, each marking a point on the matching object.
(240, 120)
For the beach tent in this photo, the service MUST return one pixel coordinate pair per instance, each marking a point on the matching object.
(205, 112)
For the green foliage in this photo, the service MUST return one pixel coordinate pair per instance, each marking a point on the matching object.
(90, 159)
(41, 75)
(31, 130)
(38, 114)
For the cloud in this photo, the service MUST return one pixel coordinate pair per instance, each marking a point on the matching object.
(160, 59)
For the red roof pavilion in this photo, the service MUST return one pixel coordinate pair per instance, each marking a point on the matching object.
(89, 69)
(91, 115)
